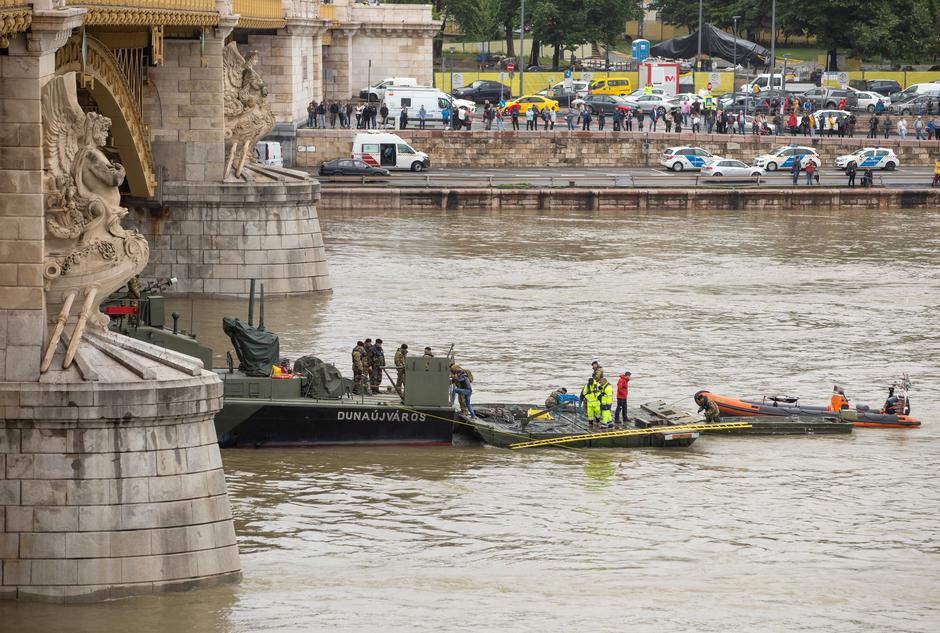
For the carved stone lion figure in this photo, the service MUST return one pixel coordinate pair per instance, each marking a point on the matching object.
(248, 116)
(88, 254)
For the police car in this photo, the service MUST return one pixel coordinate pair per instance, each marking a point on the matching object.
(684, 157)
(783, 157)
(870, 158)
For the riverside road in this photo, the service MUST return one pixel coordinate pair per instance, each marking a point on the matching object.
(603, 177)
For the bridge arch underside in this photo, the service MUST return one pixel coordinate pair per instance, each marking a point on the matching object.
(127, 132)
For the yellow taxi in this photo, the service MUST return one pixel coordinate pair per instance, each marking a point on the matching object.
(528, 101)
(619, 87)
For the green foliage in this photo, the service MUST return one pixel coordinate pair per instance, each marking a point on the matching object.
(480, 20)
(891, 29)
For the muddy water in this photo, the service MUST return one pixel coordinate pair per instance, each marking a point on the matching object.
(733, 534)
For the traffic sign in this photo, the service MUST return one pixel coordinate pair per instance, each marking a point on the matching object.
(843, 79)
(510, 67)
(714, 78)
(586, 76)
(569, 82)
(567, 73)
(456, 80)
(502, 76)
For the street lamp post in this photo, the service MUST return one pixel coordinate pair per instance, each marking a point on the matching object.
(522, 49)
(698, 58)
(773, 46)
(734, 64)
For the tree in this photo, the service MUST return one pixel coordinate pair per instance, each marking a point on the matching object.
(480, 20)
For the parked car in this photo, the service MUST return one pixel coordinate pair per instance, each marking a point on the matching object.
(526, 102)
(562, 95)
(783, 157)
(730, 167)
(604, 103)
(619, 87)
(822, 115)
(922, 104)
(868, 100)
(483, 90)
(829, 98)
(350, 167)
(915, 90)
(884, 87)
(684, 157)
(659, 102)
(870, 158)
(377, 92)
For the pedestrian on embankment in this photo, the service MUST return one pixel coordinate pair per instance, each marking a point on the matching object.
(311, 113)
(811, 173)
(850, 172)
(795, 169)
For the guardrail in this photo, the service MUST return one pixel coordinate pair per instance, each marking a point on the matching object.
(259, 13)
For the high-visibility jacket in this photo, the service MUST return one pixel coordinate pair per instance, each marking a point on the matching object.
(838, 402)
(606, 393)
(589, 392)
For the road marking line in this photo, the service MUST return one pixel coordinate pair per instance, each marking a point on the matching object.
(661, 173)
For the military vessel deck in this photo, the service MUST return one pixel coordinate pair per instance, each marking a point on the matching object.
(504, 425)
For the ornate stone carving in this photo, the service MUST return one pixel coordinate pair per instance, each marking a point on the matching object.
(248, 116)
(88, 252)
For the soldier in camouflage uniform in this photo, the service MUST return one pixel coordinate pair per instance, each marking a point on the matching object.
(551, 402)
(358, 353)
(400, 355)
(378, 364)
(367, 363)
(706, 404)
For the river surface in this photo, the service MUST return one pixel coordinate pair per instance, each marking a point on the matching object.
(733, 534)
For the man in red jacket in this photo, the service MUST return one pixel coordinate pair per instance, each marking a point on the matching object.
(623, 387)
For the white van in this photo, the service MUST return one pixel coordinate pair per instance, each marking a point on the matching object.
(376, 92)
(383, 149)
(433, 100)
(763, 82)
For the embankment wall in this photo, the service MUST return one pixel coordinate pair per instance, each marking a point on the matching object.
(561, 148)
(412, 199)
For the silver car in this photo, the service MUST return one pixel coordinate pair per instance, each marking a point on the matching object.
(648, 103)
(731, 168)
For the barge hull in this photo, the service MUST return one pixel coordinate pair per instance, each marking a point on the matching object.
(272, 423)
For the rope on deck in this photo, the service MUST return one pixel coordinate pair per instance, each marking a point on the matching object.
(685, 428)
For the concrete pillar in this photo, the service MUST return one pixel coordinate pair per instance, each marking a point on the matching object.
(30, 63)
(338, 77)
(183, 103)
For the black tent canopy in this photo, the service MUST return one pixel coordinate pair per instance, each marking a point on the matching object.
(715, 43)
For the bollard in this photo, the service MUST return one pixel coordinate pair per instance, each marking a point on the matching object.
(427, 182)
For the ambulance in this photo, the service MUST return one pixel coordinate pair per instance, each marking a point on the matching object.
(382, 149)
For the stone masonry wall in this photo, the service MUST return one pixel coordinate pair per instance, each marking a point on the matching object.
(391, 56)
(288, 60)
(98, 503)
(509, 150)
(22, 315)
(215, 238)
(184, 106)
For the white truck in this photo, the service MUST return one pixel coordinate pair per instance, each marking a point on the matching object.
(377, 92)
(763, 82)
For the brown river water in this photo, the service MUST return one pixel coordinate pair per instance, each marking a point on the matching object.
(733, 534)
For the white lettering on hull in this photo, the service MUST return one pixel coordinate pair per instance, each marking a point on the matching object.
(380, 416)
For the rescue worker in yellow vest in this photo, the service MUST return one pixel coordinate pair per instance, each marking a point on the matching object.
(605, 393)
(592, 404)
(648, 89)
